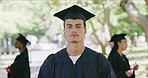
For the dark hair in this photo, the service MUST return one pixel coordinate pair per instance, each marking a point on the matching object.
(115, 47)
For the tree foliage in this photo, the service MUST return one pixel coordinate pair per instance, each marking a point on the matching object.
(36, 17)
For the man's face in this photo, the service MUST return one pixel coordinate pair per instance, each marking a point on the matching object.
(74, 30)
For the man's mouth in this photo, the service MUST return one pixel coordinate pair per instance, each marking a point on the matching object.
(73, 35)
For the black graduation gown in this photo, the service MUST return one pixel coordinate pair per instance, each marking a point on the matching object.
(119, 64)
(20, 67)
(89, 65)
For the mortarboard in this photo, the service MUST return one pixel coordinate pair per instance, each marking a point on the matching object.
(22, 39)
(74, 12)
(117, 37)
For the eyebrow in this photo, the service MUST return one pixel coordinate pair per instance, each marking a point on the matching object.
(68, 24)
(78, 24)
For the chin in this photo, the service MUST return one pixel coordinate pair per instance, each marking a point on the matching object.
(124, 49)
(74, 41)
(15, 46)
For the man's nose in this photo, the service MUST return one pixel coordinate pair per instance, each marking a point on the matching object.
(74, 29)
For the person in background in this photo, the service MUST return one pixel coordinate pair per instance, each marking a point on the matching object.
(20, 67)
(118, 60)
(76, 60)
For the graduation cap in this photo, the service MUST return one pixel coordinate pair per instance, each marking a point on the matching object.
(117, 37)
(22, 39)
(74, 12)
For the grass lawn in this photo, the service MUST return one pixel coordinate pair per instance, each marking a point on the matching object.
(139, 55)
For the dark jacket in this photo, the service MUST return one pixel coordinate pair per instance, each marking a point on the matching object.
(89, 65)
(20, 67)
(120, 64)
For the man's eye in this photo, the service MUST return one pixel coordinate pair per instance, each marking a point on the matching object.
(78, 26)
(69, 26)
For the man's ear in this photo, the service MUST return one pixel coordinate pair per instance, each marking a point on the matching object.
(85, 30)
(64, 31)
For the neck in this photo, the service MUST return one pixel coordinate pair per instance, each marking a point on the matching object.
(75, 49)
(22, 49)
(120, 51)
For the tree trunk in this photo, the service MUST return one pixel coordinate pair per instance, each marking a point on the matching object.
(103, 49)
(146, 2)
(133, 42)
(107, 24)
(107, 29)
(96, 37)
(134, 13)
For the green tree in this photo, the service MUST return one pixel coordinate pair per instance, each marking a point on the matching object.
(134, 13)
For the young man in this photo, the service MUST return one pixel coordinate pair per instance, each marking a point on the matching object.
(20, 67)
(76, 60)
